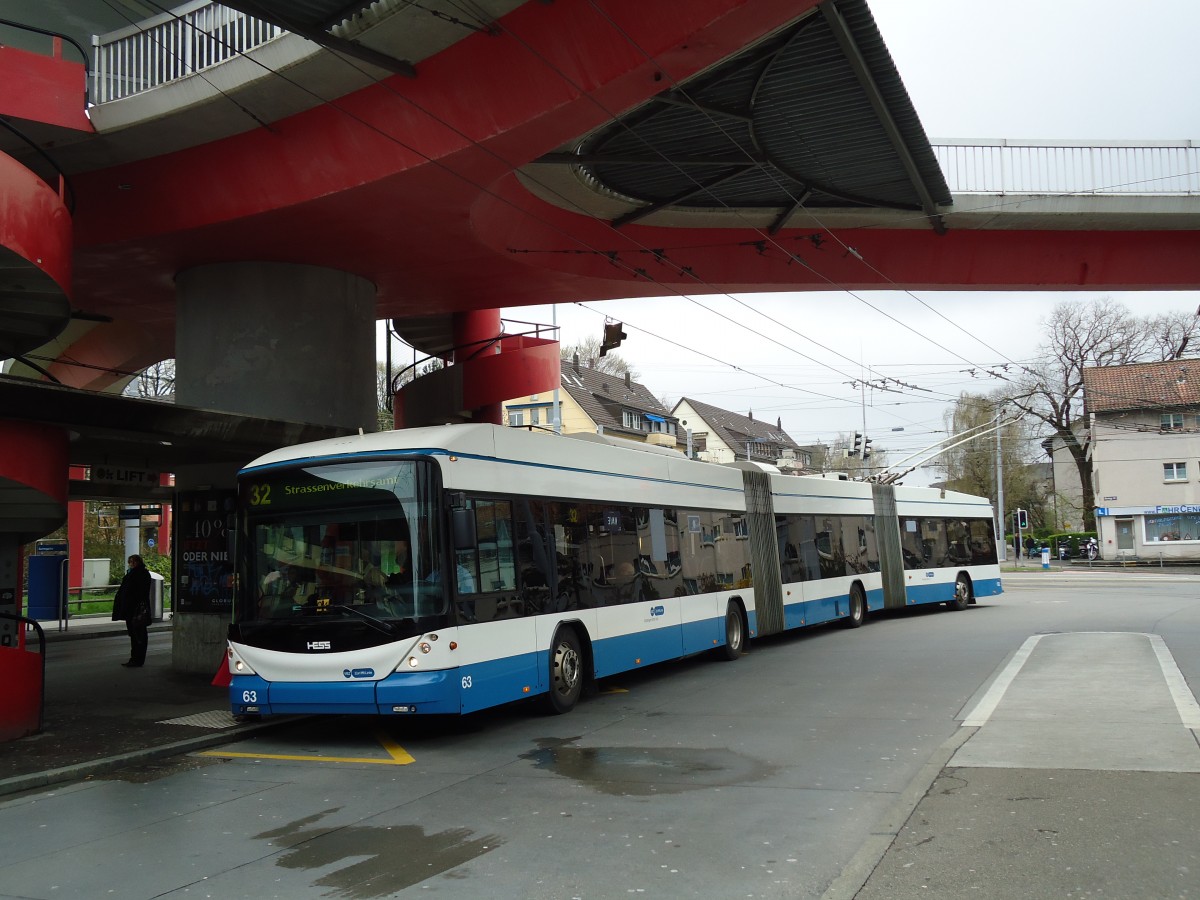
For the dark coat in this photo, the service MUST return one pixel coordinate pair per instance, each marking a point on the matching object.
(132, 602)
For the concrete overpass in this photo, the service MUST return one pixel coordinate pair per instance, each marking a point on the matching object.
(255, 185)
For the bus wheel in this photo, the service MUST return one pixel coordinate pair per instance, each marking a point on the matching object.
(566, 671)
(735, 633)
(858, 607)
(962, 593)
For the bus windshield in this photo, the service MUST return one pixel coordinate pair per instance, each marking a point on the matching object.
(356, 540)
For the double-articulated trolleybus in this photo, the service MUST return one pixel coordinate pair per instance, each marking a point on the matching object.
(449, 569)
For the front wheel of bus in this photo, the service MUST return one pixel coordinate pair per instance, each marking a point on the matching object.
(858, 608)
(735, 633)
(962, 593)
(566, 671)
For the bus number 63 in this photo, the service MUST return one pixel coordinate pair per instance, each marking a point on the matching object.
(249, 696)
(466, 682)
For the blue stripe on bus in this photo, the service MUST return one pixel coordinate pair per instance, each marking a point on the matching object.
(631, 651)
(934, 592)
(286, 697)
(874, 599)
(703, 635)
(987, 587)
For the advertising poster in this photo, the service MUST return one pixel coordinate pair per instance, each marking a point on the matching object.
(204, 528)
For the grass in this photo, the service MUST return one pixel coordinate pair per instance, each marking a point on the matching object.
(96, 601)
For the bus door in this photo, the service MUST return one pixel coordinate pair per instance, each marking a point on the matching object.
(499, 659)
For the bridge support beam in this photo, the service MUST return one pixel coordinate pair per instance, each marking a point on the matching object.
(264, 339)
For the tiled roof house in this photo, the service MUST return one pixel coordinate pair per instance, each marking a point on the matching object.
(593, 401)
(721, 436)
(1145, 454)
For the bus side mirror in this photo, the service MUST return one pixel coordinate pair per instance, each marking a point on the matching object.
(462, 523)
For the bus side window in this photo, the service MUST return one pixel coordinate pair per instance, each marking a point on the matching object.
(496, 560)
(535, 569)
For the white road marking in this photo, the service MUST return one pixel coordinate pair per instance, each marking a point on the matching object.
(987, 705)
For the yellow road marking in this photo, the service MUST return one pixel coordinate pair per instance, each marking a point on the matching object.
(397, 755)
(615, 690)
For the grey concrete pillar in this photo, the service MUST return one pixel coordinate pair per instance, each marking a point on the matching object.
(275, 340)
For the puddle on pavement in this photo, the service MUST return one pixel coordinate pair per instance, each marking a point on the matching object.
(646, 771)
(396, 857)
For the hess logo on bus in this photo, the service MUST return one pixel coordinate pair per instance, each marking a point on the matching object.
(319, 645)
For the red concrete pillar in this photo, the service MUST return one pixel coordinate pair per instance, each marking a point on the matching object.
(477, 333)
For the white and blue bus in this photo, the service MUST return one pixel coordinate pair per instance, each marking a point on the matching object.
(450, 569)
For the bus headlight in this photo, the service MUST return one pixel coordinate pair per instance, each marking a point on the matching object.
(425, 648)
(413, 662)
(238, 666)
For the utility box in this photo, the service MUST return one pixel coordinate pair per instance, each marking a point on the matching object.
(97, 572)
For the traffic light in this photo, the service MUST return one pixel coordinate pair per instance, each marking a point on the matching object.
(613, 335)
(866, 451)
(857, 444)
(1022, 520)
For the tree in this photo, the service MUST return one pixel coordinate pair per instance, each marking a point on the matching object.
(383, 397)
(1100, 333)
(588, 351)
(971, 466)
(153, 382)
(1171, 334)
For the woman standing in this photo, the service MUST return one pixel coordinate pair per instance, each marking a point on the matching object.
(132, 604)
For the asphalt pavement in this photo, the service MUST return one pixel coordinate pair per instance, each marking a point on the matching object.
(100, 716)
(1016, 804)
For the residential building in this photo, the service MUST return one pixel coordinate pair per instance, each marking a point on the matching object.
(1145, 455)
(721, 436)
(596, 402)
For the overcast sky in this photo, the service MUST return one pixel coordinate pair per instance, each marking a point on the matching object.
(1066, 69)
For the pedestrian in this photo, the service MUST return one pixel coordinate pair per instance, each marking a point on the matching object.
(1017, 547)
(1030, 547)
(132, 604)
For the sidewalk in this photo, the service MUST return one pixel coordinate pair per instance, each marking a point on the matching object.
(100, 716)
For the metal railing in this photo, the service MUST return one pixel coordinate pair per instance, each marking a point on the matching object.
(171, 46)
(78, 597)
(1153, 168)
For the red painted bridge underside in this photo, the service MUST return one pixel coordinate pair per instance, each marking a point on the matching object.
(428, 208)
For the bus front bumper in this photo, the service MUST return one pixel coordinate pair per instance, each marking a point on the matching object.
(404, 693)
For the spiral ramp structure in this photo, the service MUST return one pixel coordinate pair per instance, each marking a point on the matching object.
(484, 373)
(35, 269)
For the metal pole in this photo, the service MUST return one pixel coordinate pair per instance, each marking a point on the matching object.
(1000, 520)
(558, 382)
(862, 453)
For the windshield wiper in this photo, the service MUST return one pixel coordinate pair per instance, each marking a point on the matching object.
(378, 624)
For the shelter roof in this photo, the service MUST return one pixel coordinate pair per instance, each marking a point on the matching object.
(762, 129)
